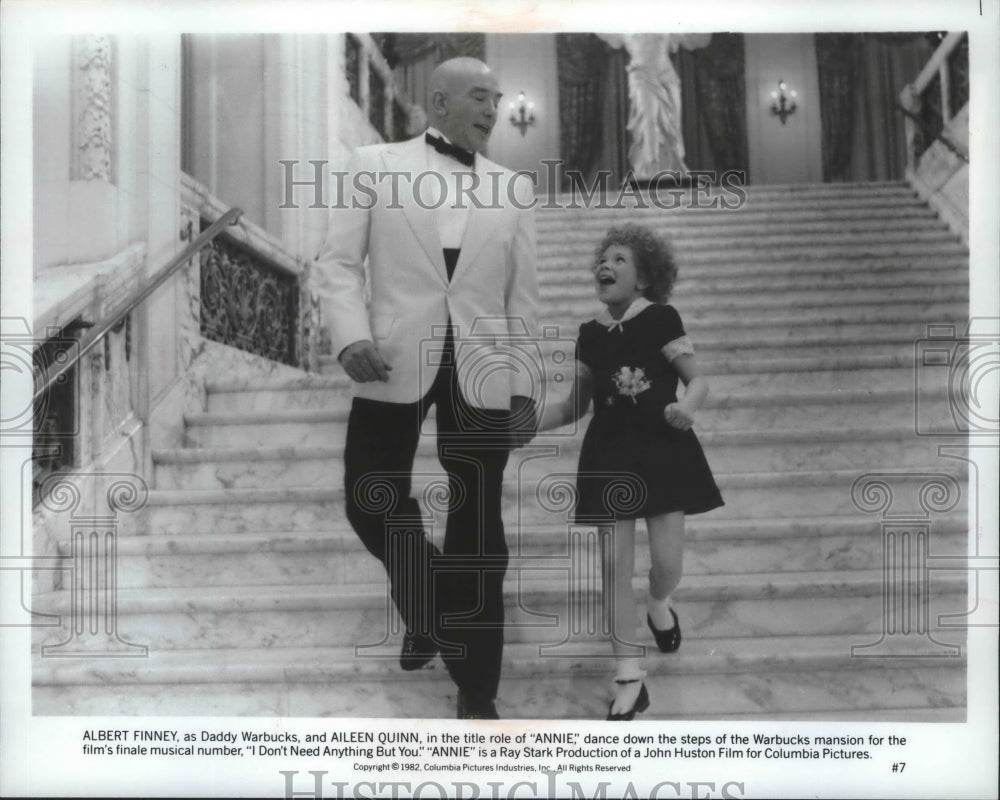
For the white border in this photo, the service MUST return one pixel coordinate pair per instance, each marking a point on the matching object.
(40, 755)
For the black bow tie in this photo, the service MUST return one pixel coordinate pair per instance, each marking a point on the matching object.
(461, 155)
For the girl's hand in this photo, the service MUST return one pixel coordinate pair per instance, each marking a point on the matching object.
(678, 416)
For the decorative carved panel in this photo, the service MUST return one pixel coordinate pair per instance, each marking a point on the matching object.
(93, 104)
(248, 302)
(57, 412)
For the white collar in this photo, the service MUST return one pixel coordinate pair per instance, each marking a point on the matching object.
(637, 306)
(435, 132)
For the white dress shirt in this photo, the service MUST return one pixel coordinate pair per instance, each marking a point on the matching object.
(451, 217)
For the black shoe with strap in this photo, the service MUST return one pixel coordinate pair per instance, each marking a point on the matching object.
(669, 640)
(417, 652)
(641, 703)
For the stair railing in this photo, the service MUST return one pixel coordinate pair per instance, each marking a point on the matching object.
(373, 86)
(911, 101)
(97, 331)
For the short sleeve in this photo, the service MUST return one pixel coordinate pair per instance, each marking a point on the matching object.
(675, 341)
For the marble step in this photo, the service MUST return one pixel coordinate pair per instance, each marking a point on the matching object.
(882, 376)
(326, 412)
(862, 188)
(778, 450)
(719, 206)
(556, 353)
(717, 203)
(695, 222)
(758, 210)
(755, 238)
(555, 360)
(539, 609)
(739, 303)
(766, 678)
(313, 391)
(698, 287)
(790, 248)
(278, 453)
(747, 496)
(737, 376)
(765, 321)
(722, 411)
(688, 233)
(337, 555)
(734, 375)
(556, 270)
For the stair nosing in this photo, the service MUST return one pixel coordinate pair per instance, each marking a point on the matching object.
(343, 538)
(711, 587)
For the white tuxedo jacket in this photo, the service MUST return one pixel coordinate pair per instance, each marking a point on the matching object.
(491, 300)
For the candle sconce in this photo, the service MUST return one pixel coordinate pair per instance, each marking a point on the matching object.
(783, 101)
(522, 113)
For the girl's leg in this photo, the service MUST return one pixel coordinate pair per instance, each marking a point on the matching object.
(620, 611)
(666, 555)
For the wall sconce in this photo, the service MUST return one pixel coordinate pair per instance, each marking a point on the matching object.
(783, 101)
(522, 113)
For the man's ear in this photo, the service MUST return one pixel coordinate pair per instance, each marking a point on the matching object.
(439, 103)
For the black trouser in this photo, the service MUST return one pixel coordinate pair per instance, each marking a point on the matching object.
(455, 595)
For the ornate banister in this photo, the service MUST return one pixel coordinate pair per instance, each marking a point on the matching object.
(99, 330)
(373, 86)
(912, 101)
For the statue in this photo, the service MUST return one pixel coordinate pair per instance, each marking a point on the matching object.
(654, 95)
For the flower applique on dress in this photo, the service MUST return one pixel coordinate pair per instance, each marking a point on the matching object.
(631, 381)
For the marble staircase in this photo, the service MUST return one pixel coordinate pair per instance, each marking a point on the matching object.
(805, 307)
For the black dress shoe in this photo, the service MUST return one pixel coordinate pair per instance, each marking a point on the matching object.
(641, 704)
(472, 707)
(669, 640)
(417, 651)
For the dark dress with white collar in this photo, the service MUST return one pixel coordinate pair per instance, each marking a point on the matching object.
(632, 462)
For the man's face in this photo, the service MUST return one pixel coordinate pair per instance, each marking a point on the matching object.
(471, 105)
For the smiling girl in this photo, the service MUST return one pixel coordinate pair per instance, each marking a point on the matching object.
(639, 458)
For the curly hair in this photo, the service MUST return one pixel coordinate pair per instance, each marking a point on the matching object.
(654, 258)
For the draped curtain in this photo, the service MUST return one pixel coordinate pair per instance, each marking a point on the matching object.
(612, 149)
(860, 78)
(580, 59)
(413, 56)
(838, 58)
(713, 111)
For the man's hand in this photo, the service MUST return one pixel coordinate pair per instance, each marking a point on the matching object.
(363, 362)
(524, 420)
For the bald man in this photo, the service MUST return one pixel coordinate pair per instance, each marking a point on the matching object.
(450, 242)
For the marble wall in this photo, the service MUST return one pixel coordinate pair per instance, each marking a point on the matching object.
(789, 153)
(525, 62)
(110, 121)
(942, 178)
